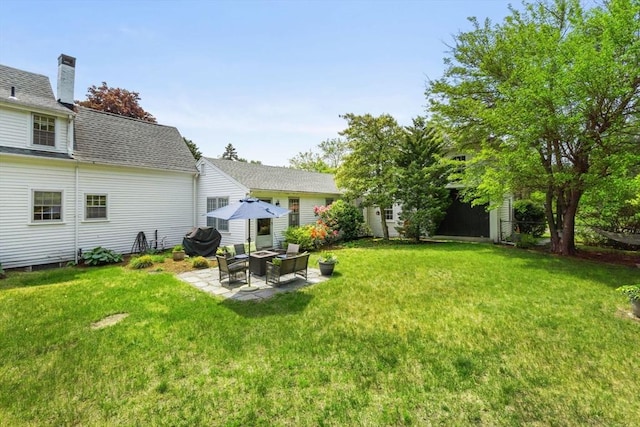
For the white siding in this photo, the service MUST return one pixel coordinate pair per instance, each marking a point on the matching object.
(16, 127)
(138, 200)
(213, 183)
(23, 243)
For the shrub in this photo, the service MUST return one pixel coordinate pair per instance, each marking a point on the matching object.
(100, 256)
(200, 262)
(143, 261)
(526, 241)
(178, 248)
(530, 218)
(343, 220)
(300, 235)
(630, 291)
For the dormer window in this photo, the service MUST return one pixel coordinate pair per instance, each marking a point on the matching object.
(44, 130)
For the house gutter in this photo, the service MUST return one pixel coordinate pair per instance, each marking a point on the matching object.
(195, 199)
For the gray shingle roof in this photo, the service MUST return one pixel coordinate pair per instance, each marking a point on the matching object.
(275, 178)
(32, 90)
(112, 139)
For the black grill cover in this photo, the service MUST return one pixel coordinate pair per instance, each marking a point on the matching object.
(202, 241)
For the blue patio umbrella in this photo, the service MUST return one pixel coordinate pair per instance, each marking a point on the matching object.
(249, 208)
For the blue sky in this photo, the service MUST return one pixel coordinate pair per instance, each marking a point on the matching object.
(269, 77)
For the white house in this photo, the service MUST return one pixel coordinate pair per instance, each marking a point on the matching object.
(225, 181)
(73, 178)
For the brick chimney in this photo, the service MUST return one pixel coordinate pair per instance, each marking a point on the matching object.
(66, 79)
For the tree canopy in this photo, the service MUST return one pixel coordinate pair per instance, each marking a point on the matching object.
(195, 151)
(547, 100)
(230, 153)
(117, 101)
(367, 171)
(421, 176)
(332, 152)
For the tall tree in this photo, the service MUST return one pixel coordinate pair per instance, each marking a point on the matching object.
(195, 151)
(545, 99)
(230, 153)
(332, 151)
(117, 101)
(421, 177)
(367, 171)
(309, 161)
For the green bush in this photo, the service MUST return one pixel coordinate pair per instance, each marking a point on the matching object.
(343, 219)
(200, 262)
(143, 261)
(526, 241)
(530, 218)
(301, 236)
(101, 256)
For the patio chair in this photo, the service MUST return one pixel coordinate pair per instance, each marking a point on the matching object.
(231, 270)
(240, 255)
(292, 250)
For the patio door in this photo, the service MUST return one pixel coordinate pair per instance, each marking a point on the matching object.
(264, 227)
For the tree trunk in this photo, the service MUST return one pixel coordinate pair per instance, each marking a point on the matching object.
(383, 222)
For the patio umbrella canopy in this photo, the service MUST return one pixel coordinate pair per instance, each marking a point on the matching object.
(249, 208)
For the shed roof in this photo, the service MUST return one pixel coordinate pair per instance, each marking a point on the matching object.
(31, 90)
(112, 139)
(276, 178)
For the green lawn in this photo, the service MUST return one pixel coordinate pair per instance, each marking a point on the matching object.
(441, 334)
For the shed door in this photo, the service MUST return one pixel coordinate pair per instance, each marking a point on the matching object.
(464, 220)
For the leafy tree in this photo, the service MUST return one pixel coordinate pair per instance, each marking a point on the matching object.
(421, 176)
(545, 99)
(195, 151)
(117, 101)
(309, 161)
(367, 171)
(230, 153)
(332, 151)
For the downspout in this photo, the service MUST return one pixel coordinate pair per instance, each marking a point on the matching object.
(195, 199)
(76, 221)
(76, 238)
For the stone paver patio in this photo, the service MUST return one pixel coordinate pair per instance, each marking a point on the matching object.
(207, 280)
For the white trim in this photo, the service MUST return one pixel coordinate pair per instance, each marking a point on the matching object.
(31, 206)
(84, 207)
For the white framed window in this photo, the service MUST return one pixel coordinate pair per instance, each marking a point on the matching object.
(95, 206)
(214, 203)
(388, 214)
(46, 206)
(294, 215)
(44, 130)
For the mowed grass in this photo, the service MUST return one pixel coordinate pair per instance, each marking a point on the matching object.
(430, 334)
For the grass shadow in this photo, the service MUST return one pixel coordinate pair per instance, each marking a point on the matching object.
(283, 304)
(17, 279)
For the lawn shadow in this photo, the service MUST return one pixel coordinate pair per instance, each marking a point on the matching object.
(52, 276)
(281, 304)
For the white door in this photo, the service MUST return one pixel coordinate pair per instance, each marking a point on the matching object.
(264, 231)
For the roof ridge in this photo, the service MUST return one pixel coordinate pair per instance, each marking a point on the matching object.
(269, 166)
(93, 110)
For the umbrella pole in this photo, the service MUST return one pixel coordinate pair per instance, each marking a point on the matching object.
(249, 287)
